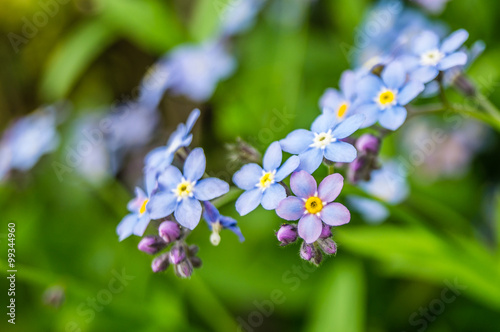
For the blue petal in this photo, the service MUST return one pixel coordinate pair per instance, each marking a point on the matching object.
(348, 84)
(303, 184)
(248, 176)
(310, 227)
(424, 74)
(188, 213)
(143, 223)
(348, 126)
(297, 141)
(231, 224)
(195, 164)
(454, 41)
(330, 187)
(291, 208)
(426, 41)
(394, 75)
(195, 114)
(210, 188)
(126, 227)
(452, 60)
(392, 118)
(410, 62)
(340, 152)
(272, 157)
(288, 167)
(335, 214)
(273, 196)
(170, 178)
(151, 180)
(248, 201)
(155, 157)
(330, 99)
(324, 122)
(368, 87)
(409, 92)
(310, 160)
(211, 214)
(371, 210)
(161, 205)
(371, 113)
(135, 204)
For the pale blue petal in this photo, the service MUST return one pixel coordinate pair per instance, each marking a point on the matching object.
(368, 88)
(210, 188)
(291, 208)
(324, 122)
(410, 62)
(248, 201)
(310, 227)
(348, 84)
(195, 164)
(392, 118)
(272, 157)
(170, 178)
(135, 204)
(372, 211)
(297, 141)
(151, 180)
(331, 99)
(288, 167)
(394, 75)
(330, 187)
(161, 205)
(454, 41)
(126, 227)
(452, 60)
(303, 184)
(424, 74)
(188, 213)
(335, 214)
(210, 213)
(409, 92)
(371, 113)
(340, 152)
(248, 176)
(348, 126)
(143, 223)
(426, 41)
(272, 196)
(195, 114)
(310, 160)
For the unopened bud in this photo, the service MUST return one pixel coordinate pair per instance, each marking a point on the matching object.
(328, 246)
(310, 253)
(169, 231)
(196, 262)
(160, 263)
(326, 231)
(287, 234)
(368, 143)
(151, 244)
(184, 269)
(177, 254)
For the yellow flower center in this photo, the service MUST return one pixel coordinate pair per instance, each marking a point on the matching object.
(314, 205)
(386, 97)
(143, 206)
(342, 110)
(266, 180)
(184, 189)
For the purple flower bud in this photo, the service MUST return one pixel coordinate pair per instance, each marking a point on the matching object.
(287, 234)
(326, 231)
(177, 254)
(328, 246)
(160, 263)
(151, 244)
(368, 144)
(184, 269)
(169, 231)
(196, 262)
(193, 249)
(310, 253)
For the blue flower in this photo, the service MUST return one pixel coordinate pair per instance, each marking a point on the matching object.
(323, 141)
(181, 193)
(154, 84)
(383, 98)
(261, 185)
(216, 222)
(342, 102)
(28, 139)
(138, 220)
(160, 158)
(428, 56)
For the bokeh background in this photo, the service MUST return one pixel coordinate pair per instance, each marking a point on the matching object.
(93, 54)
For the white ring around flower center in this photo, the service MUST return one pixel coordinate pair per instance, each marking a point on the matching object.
(184, 189)
(431, 58)
(322, 140)
(266, 180)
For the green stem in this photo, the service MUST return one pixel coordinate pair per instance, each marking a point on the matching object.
(488, 106)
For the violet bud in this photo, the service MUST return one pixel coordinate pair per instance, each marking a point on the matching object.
(169, 231)
(177, 254)
(184, 269)
(328, 246)
(287, 234)
(193, 249)
(368, 143)
(151, 244)
(326, 231)
(310, 253)
(160, 263)
(196, 262)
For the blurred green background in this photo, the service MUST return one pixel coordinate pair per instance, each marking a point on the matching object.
(94, 53)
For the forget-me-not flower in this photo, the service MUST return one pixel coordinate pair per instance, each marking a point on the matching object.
(383, 98)
(261, 184)
(324, 140)
(182, 193)
(313, 204)
(217, 222)
(342, 102)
